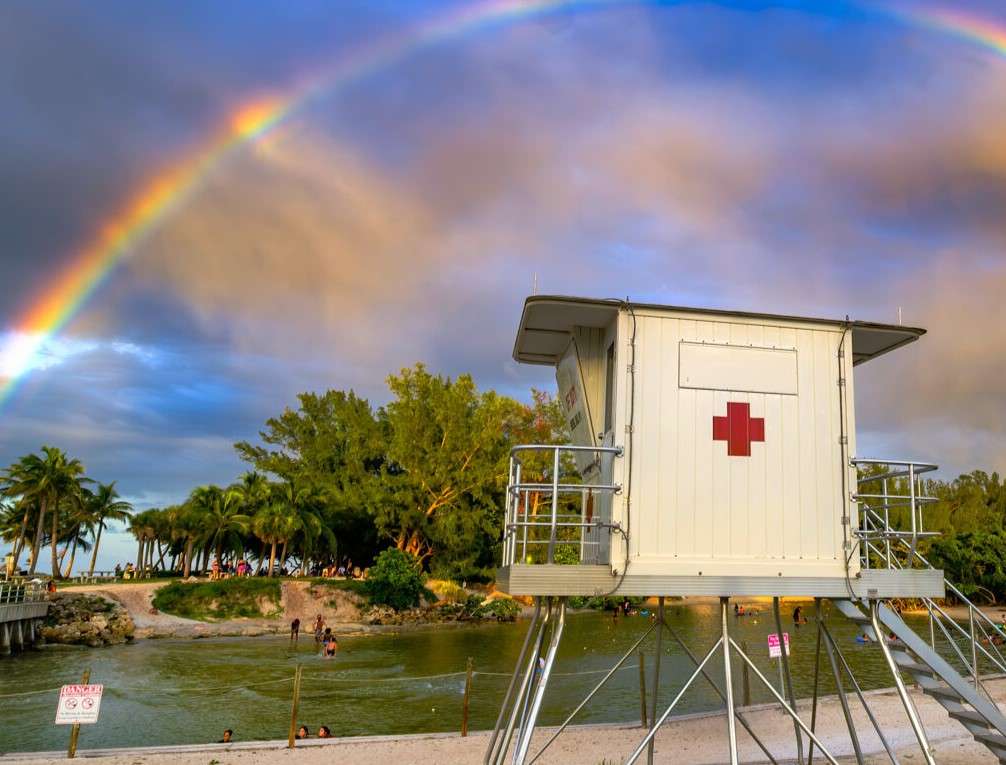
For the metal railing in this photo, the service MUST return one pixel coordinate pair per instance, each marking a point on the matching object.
(901, 488)
(556, 482)
(888, 547)
(21, 592)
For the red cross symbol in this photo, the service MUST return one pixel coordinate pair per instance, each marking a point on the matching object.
(738, 429)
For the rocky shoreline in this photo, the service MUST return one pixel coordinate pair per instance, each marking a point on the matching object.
(89, 620)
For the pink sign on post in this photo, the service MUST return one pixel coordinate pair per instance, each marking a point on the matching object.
(774, 652)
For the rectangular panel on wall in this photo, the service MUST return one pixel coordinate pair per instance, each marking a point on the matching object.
(742, 368)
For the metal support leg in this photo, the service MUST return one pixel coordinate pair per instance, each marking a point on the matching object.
(490, 755)
(789, 679)
(527, 731)
(597, 687)
(913, 715)
(782, 702)
(526, 686)
(653, 731)
(839, 688)
(656, 674)
(728, 680)
(719, 692)
(859, 694)
(817, 677)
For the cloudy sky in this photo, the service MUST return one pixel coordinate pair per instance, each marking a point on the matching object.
(819, 158)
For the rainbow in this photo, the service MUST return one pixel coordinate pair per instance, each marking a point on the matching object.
(958, 23)
(166, 192)
(158, 198)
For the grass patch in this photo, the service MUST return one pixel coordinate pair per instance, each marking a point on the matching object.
(227, 599)
(352, 585)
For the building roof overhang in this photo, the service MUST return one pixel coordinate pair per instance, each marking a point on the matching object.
(548, 320)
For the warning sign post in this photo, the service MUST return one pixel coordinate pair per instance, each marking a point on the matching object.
(78, 705)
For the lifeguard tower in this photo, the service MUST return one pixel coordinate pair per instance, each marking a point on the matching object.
(714, 453)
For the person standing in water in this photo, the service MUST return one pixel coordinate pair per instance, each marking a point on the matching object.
(295, 631)
(319, 628)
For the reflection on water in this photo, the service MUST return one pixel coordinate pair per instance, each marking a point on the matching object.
(171, 692)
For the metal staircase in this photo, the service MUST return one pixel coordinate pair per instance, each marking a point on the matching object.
(935, 676)
(896, 486)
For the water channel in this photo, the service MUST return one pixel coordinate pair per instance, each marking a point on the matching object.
(175, 691)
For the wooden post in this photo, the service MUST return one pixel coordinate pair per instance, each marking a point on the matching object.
(745, 677)
(468, 693)
(642, 689)
(75, 728)
(292, 740)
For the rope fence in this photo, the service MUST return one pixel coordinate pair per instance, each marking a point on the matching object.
(315, 677)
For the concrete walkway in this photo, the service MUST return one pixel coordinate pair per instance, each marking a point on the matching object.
(698, 739)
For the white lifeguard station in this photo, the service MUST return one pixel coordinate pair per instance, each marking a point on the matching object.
(714, 453)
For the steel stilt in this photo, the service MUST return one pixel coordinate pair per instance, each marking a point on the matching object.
(859, 694)
(596, 688)
(656, 673)
(490, 755)
(913, 715)
(840, 689)
(527, 730)
(719, 692)
(784, 660)
(520, 701)
(667, 712)
(782, 702)
(817, 677)
(728, 680)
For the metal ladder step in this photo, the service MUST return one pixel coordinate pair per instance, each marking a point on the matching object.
(917, 669)
(968, 716)
(995, 739)
(943, 692)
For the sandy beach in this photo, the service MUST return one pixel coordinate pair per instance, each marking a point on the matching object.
(699, 739)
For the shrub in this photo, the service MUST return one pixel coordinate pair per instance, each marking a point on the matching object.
(504, 609)
(226, 599)
(395, 580)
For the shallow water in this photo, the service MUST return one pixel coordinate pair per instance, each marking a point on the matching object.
(174, 691)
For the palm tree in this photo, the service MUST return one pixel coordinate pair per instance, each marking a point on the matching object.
(221, 518)
(48, 479)
(105, 506)
(273, 524)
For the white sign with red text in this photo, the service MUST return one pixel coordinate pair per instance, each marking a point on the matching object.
(78, 704)
(774, 651)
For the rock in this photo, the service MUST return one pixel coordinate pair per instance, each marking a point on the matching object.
(78, 619)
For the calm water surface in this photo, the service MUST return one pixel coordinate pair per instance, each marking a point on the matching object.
(173, 692)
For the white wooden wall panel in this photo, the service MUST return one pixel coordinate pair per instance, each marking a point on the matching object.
(696, 509)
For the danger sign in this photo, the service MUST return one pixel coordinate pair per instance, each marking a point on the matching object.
(774, 652)
(78, 704)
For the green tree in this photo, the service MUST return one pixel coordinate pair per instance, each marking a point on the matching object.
(47, 479)
(221, 517)
(334, 447)
(447, 455)
(274, 525)
(105, 506)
